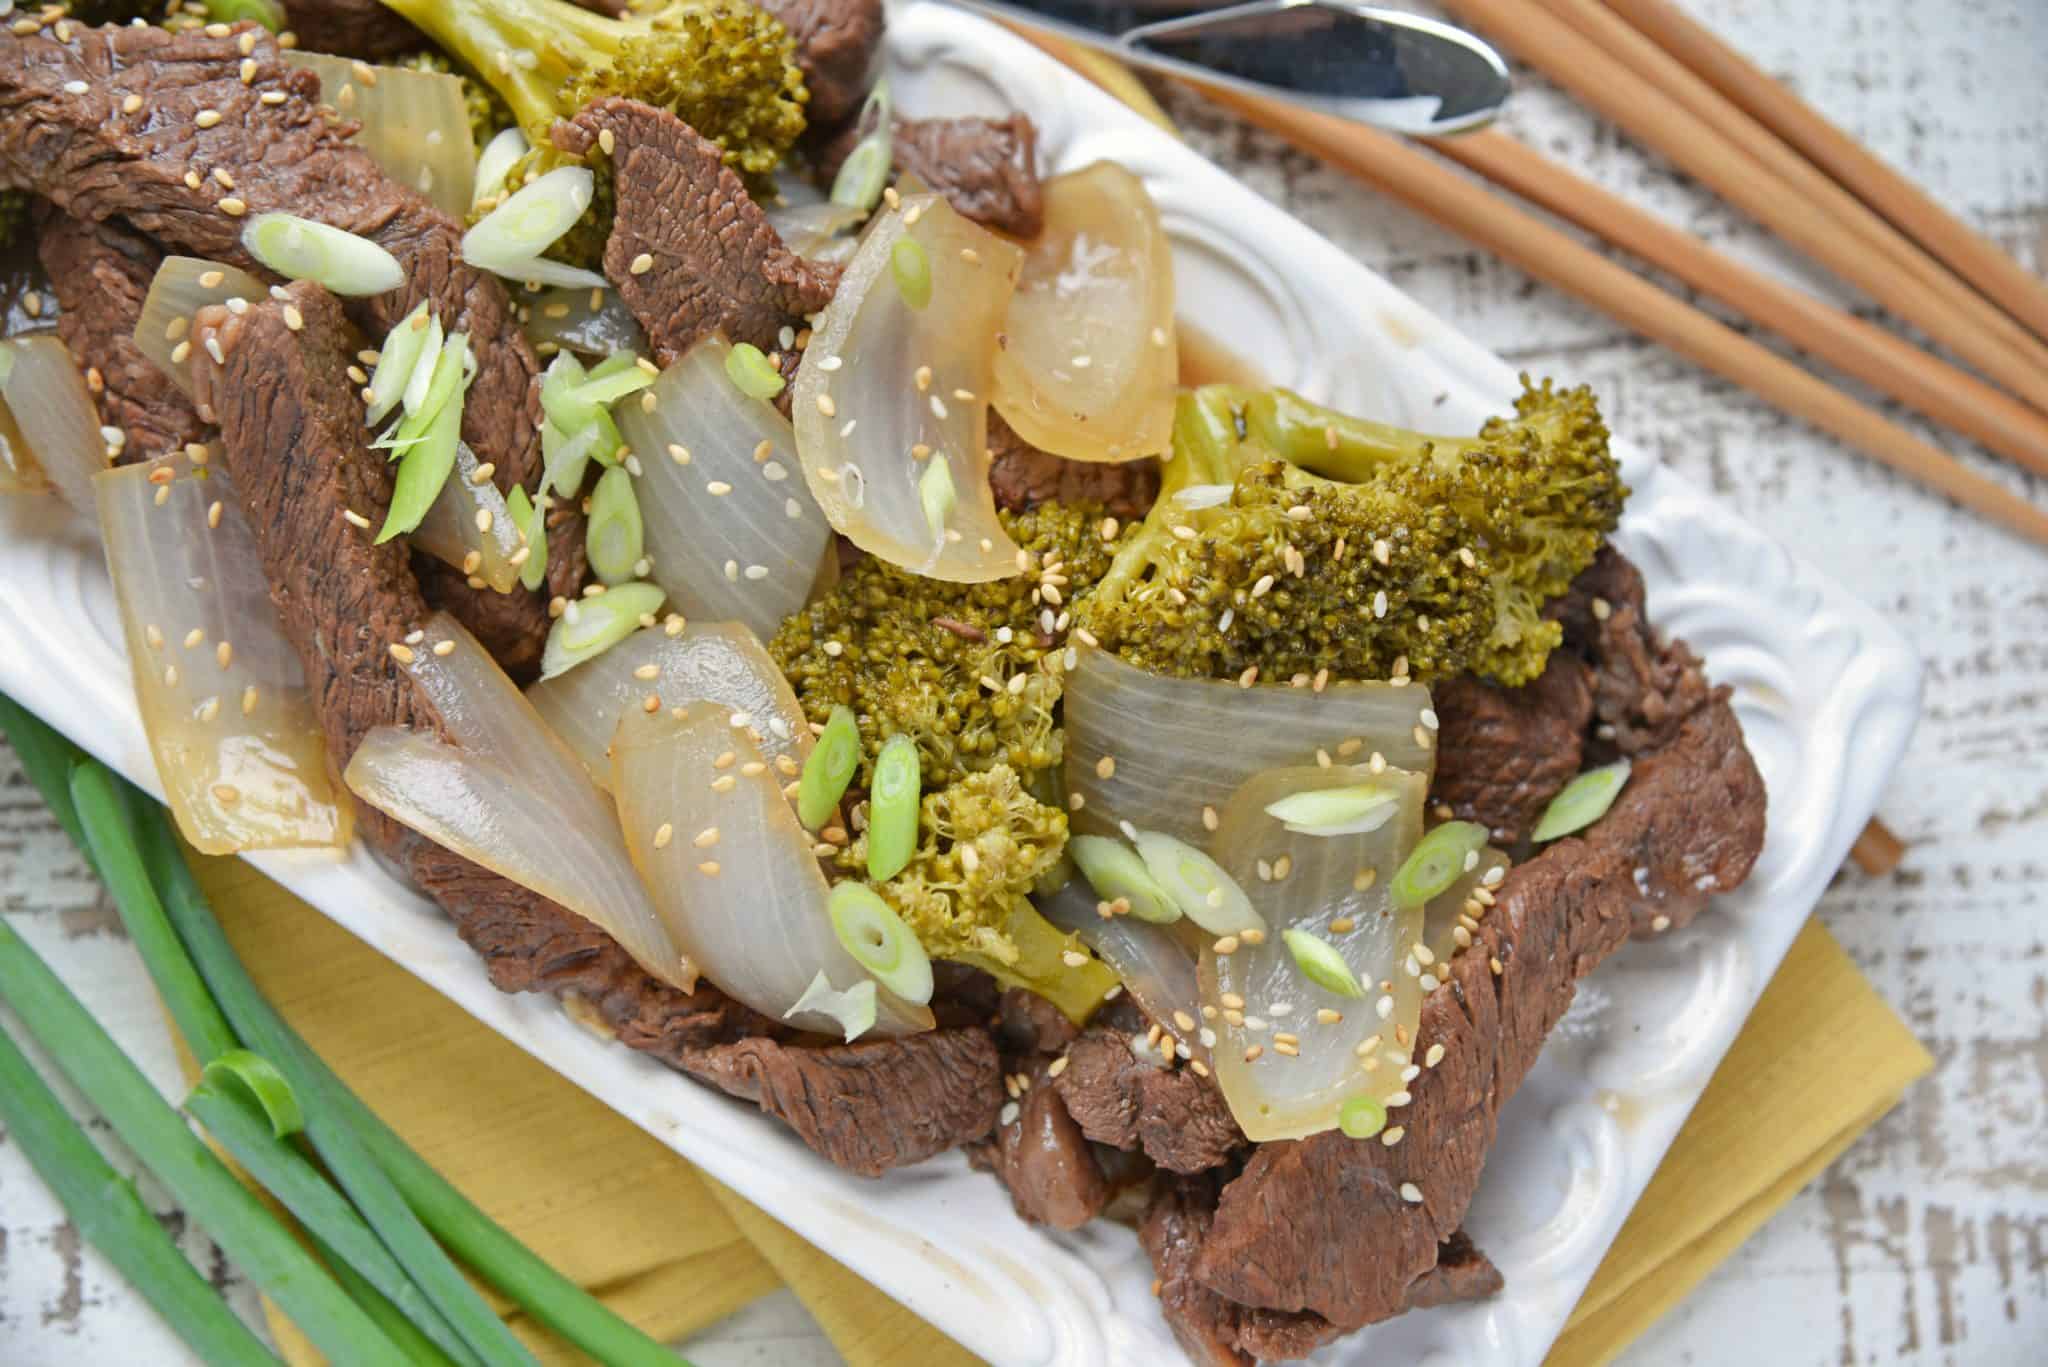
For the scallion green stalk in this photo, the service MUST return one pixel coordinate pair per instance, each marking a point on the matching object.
(106, 1212)
(290, 1176)
(501, 1260)
(228, 1211)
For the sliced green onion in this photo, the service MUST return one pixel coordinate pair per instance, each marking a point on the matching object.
(854, 1008)
(268, 13)
(300, 249)
(877, 938)
(1198, 885)
(892, 808)
(1584, 801)
(1321, 964)
(1361, 1117)
(751, 373)
(396, 362)
(499, 156)
(610, 382)
(558, 385)
(565, 459)
(265, 1085)
(614, 541)
(420, 378)
(1116, 873)
(866, 169)
(935, 490)
(828, 769)
(1435, 863)
(911, 266)
(422, 471)
(863, 174)
(589, 627)
(448, 379)
(533, 531)
(1336, 811)
(106, 1211)
(511, 236)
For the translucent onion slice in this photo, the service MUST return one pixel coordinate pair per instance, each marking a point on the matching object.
(730, 867)
(1440, 917)
(1089, 364)
(20, 471)
(1153, 962)
(722, 662)
(510, 795)
(1154, 751)
(469, 518)
(184, 285)
(230, 723)
(1297, 1086)
(733, 532)
(885, 386)
(415, 124)
(808, 229)
(591, 321)
(44, 400)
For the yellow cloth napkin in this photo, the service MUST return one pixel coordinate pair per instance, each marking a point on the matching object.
(675, 1252)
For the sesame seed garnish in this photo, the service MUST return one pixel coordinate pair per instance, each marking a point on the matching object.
(826, 406)
(1385, 1007)
(709, 868)
(1411, 1193)
(1495, 965)
(1660, 923)
(1254, 936)
(233, 207)
(76, 87)
(170, 676)
(1233, 1001)
(1072, 958)
(724, 783)
(1226, 945)
(1249, 677)
(224, 654)
(1291, 1050)
(706, 838)
(401, 652)
(207, 118)
(272, 97)
(213, 350)
(249, 696)
(718, 488)
(1251, 1054)
(293, 319)
(1393, 1135)
(1602, 609)
(227, 794)
(1343, 925)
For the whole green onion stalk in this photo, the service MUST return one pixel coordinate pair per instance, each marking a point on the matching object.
(106, 1212)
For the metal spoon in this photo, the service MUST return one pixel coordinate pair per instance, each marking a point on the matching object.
(1381, 67)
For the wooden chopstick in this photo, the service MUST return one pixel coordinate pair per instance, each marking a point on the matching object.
(1434, 190)
(2001, 279)
(1812, 214)
(1885, 362)
(1638, 54)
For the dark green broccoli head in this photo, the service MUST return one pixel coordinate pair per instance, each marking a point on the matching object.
(962, 669)
(1406, 553)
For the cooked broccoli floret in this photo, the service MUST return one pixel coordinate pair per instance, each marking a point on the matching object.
(1290, 540)
(974, 908)
(723, 67)
(959, 668)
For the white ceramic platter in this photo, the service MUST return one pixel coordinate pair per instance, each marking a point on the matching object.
(1826, 690)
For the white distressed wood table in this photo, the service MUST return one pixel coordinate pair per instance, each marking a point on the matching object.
(1927, 1242)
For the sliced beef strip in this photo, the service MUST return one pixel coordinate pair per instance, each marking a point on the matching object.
(100, 273)
(1029, 1024)
(1023, 476)
(296, 450)
(717, 264)
(1040, 1155)
(1179, 1121)
(153, 167)
(1322, 1224)
(368, 29)
(986, 168)
(871, 1105)
(837, 44)
(1215, 1332)
(1643, 688)
(1504, 753)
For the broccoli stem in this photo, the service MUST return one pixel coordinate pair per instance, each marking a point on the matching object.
(1041, 965)
(525, 49)
(1332, 444)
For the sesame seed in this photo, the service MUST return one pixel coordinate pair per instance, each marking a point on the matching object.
(1227, 945)
(401, 653)
(1183, 1020)
(181, 352)
(444, 648)
(224, 654)
(1290, 1050)
(709, 868)
(213, 350)
(706, 838)
(1411, 1193)
(272, 97)
(207, 118)
(718, 488)
(233, 207)
(1660, 923)
(1283, 866)
(1072, 958)
(1249, 677)
(249, 696)
(1283, 1037)
(663, 834)
(170, 676)
(76, 87)
(1393, 1135)
(1495, 965)
(1254, 936)
(1008, 1115)
(607, 140)
(725, 761)
(1342, 925)
(1251, 1055)
(227, 794)
(1232, 1000)
(826, 406)
(293, 319)
(1105, 767)
(1385, 1007)
(724, 783)
(1602, 609)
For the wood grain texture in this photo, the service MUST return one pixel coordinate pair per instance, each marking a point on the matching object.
(1927, 1242)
